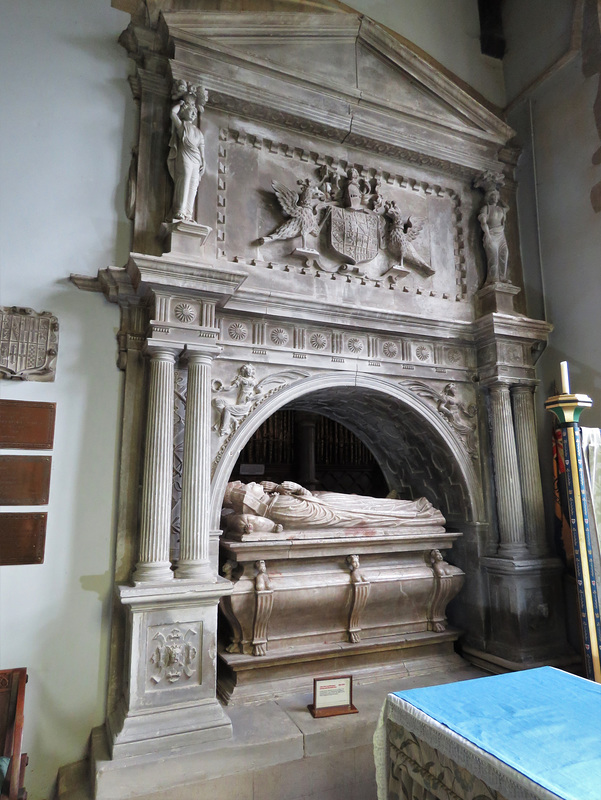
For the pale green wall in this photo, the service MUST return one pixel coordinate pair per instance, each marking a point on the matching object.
(63, 152)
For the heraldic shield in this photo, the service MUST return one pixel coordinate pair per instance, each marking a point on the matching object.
(355, 234)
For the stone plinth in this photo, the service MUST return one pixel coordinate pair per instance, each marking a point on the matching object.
(184, 239)
(527, 623)
(169, 701)
(497, 297)
(309, 602)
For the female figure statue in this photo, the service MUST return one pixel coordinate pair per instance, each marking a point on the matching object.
(186, 161)
(492, 221)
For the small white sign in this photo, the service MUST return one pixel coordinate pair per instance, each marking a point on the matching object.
(332, 692)
(332, 696)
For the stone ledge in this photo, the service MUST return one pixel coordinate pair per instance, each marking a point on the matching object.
(273, 739)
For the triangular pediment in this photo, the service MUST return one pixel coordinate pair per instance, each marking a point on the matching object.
(345, 54)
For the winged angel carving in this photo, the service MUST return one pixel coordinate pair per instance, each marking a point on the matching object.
(298, 206)
(354, 228)
(250, 393)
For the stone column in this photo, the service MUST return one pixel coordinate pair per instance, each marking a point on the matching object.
(507, 478)
(529, 467)
(196, 472)
(155, 523)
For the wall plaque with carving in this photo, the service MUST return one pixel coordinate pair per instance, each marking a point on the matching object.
(27, 425)
(24, 480)
(22, 538)
(28, 344)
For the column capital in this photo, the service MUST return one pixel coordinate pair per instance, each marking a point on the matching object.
(203, 353)
(161, 350)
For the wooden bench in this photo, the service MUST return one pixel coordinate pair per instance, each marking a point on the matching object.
(12, 702)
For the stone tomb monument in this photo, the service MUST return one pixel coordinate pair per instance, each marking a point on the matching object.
(322, 219)
(357, 583)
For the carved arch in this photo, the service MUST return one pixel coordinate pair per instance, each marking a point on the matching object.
(415, 447)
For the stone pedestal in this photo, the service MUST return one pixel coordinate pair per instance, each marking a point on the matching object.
(184, 239)
(332, 600)
(169, 700)
(527, 624)
(497, 297)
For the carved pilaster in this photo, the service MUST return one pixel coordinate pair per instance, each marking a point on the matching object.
(507, 478)
(263, 609)
(448, 580)
(155, 525)
(361, 587)
(529, 467)
(194, 535)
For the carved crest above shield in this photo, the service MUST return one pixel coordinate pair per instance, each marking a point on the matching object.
(346, 223)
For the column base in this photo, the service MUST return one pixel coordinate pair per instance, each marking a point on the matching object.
(153, 572)
(195, 570)
(527, 615)
(169, 700)
(497, 297)
(182, 238)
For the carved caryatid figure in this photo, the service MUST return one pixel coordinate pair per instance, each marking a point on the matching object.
(299, 207)
(269, 507)
(186, 161)
(492, 219)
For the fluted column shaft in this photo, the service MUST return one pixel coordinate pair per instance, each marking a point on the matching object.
(527, 452)
(196, 468)
(155, 523)
(507, 478)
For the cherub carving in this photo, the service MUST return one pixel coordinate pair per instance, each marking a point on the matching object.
(299, 207)
(401, 235)
(231, 413)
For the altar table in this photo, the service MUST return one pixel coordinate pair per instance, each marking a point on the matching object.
(532, 735)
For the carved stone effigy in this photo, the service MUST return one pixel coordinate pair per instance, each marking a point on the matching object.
(309, 598)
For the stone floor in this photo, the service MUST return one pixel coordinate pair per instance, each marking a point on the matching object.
(278, 752)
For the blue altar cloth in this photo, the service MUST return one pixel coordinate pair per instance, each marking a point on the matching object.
(544, 723)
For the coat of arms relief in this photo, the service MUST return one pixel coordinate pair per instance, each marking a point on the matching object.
(346, 224)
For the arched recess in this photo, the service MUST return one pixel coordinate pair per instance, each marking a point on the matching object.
(418, 451)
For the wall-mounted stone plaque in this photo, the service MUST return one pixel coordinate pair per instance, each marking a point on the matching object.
(27, 425)
(22, 538)
(28, 344)
(24, 480)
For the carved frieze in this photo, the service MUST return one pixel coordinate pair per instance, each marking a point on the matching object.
(28, 344)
